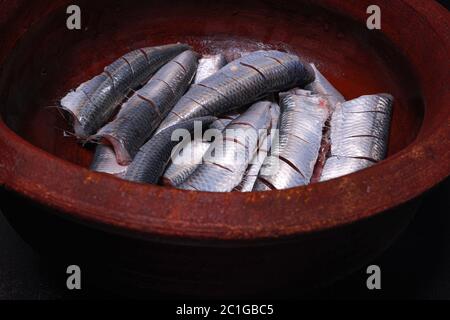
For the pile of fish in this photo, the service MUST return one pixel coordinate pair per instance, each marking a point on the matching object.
(266, 120)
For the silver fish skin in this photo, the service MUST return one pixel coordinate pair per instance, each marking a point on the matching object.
(177, 173)
(323, 87)
(105, 161)
(293, 158)
(152, 159)
(208, 65)
(226, 161)
(143, 112)
(180, 169)
(359, 135)
(239, 83)
(93, 103)
(248, 182)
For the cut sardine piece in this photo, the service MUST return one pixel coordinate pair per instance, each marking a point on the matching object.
(359, 135)
(323, 87)
(248, 182)
(152, 159)
(239, 83)
(93, 103)
(294, 155)
(226, 161)
(105, 161)
(143, 112)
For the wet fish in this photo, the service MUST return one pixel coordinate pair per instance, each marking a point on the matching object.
(226, 160)
(140, 116)
(359, 135)
(239, 83)
(249, 180)
(152, 159)
(322, 86)
(180, 169)
(208, 65)
(94, 102)
(105, 161)
(293, 158)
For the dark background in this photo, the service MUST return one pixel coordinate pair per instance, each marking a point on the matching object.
(417, 266)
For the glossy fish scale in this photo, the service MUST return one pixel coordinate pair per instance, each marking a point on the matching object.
(224, 171)
(179, 170)
(105, 161)
(294, 157)
(241, 82)
(248, 182)
(93, 102)
(144, 111)
(152, 159)
(208, 65)
(360, 128)
(359, 135)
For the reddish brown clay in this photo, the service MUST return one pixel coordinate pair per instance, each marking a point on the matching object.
(220, 243)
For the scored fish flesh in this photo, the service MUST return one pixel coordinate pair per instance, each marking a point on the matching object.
(249, 180)
(208, 65)
(152, 159)
(141, 115)
(359, 135)
(239, 83)
(226, 160)
(294, 156)
(105, 161)
(181, 167)
(93, 103)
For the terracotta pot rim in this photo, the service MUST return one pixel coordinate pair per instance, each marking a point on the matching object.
(25, 169)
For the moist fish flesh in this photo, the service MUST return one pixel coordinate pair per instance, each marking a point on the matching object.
(293, 158)
(359, 135)
(182, 167)
(322, 86)
(143, 112)
(208, 65)
(226, 160)
(240, 83)
(93, 103)
(105, 161)
(152, 159)
(249, 180)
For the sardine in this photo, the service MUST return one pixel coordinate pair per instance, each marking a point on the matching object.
(359, 135)
(180, 169)
(226, 161)
(93, 103)
(239, 83)
(249, 180)
(293, 157)
(141, 115)
(208, 65)
(323, 87)
(152, 159)
(105, 161)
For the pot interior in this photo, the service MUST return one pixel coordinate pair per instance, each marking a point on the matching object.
(48, 59)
